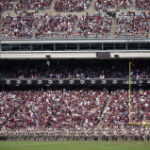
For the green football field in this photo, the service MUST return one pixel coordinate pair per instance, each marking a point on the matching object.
(42, 145)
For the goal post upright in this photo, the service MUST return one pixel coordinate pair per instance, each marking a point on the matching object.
(129, 92)
(130, 122)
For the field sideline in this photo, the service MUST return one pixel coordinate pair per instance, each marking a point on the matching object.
(48, 145)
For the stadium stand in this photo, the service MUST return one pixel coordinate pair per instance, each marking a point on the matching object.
(73, 110)
(118, 105)
(61, 110)
(140, 106)
(38, 19)
(56, 26)
(19, 26)
(97, 25)
(31, 106)
(132, 25)
(8, 104)
(71, 70)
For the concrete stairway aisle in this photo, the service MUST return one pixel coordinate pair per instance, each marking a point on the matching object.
(92, 7)
(99, 126)
(133, 7)
(35, 30)
(52, 8)
(113, 28)
(149, 30)
(11, 12)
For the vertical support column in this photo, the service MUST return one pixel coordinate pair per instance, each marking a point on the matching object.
(54, 47)
(41, 47)
(78, 46)
(89, 46)
(30, 47)
(65, 47)
(20, 47)
(138, 46)
(126, 46)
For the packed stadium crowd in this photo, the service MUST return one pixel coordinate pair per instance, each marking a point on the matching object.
(74, 69)
(19, 26)
(58, 109)
(98, 23)
(132, 25)
(82, 109)
(140, 110)
(54, 26)
(119, 107)
(73, 110)
(8, 104)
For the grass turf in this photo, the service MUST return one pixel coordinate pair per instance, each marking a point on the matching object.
(42, 145)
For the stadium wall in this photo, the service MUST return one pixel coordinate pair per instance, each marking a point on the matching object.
(75, 55)
(71, 137)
